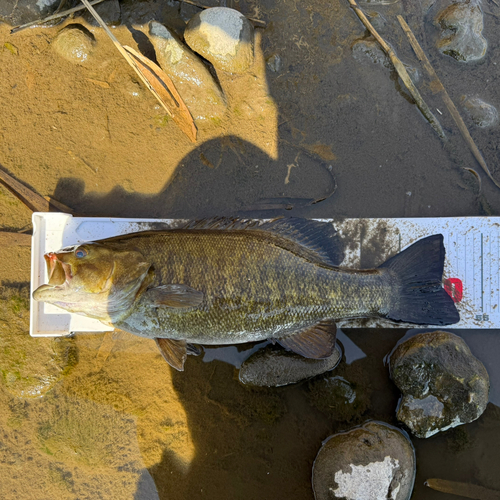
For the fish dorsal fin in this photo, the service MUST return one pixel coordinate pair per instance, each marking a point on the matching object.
(314, 240)
(178, 296)
(173, 351)
(317, 341)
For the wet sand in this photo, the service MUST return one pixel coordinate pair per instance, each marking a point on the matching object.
(111, 419)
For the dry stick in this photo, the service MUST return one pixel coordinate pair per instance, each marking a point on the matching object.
(399, 66)
(190, 2)
(32, 200)
(466, 490)
(189, 129)
(58, 15)
(439, 89)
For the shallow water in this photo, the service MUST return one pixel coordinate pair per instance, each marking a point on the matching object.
(117, 422)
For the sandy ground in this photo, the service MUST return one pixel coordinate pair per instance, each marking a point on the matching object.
(94, 417)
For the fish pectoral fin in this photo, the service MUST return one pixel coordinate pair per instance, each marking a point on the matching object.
(317, 341)
(178, 296)
(173, 351)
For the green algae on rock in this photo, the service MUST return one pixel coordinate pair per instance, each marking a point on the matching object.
(443, 384)
(373, 461)
(29, 367)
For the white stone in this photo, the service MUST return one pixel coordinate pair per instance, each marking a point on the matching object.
(367, 482)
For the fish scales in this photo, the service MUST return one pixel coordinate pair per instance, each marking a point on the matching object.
(254, 288)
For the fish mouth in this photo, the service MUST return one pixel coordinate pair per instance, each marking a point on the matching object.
(59, 277)
(59, 272)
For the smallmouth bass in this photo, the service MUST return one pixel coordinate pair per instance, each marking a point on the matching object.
(230, 281)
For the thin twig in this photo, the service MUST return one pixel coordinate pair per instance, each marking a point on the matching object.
(401, 70)
(190, 2)
(439, 89)
(57, 15)
(155, 80)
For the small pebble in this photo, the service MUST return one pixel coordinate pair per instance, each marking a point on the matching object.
(74, 43)
(483, 115)
(224, 37)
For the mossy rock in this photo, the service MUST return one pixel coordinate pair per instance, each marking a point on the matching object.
(443, 384)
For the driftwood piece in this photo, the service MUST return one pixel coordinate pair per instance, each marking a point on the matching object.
(438, 88)
(401, 70)
(32, 200)
(466, 490)
(154, 79)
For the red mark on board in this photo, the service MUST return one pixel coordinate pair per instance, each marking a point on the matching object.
(455, 288)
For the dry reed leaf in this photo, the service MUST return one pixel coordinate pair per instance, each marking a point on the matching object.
(154, 79)
(165, 88)
(438, 88)
(401, 70)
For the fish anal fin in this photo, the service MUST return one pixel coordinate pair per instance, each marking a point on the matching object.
(178, 296)
(173, 351)
(317, 341)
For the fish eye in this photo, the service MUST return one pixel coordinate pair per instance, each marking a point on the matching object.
(80, 253)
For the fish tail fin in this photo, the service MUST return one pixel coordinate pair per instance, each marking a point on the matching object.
(422, 299)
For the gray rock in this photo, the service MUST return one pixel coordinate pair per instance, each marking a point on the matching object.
(443, 384)
(189, 74)
(375, 461)
(369, 50)
(109, 11)
(25, 11)
(483, 115)
(270, 367)
(224, 37)
(74, 43)
(462, 27)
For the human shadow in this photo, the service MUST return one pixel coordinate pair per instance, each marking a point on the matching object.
(223, 176)
(262, 442)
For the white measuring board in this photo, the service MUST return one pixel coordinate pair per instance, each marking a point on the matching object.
(471, 274)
